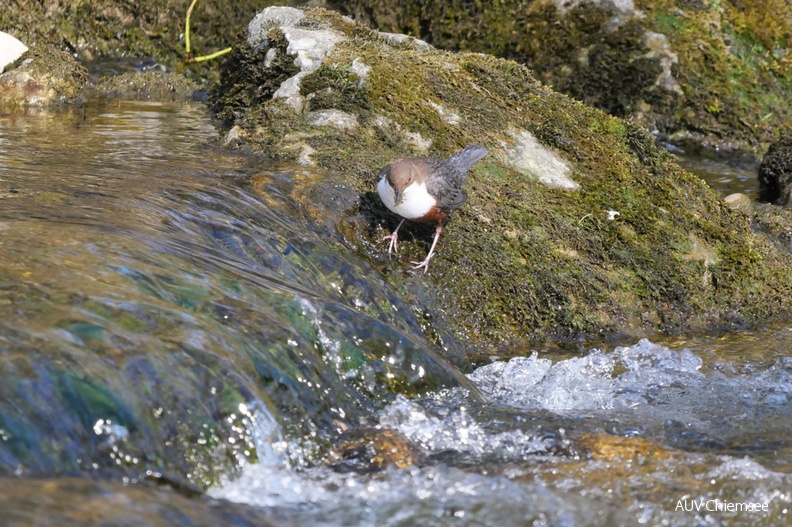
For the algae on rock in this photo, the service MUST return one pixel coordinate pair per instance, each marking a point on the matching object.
(522, 259)
(713, 72)
(117, 28)
(775, 173)
(43, 76)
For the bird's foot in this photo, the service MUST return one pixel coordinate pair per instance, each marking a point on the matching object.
(424, 263)
(392, 245)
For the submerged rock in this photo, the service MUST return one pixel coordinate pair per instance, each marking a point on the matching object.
(75, 501)
(607, 447)
(576, 224)
(372, 450)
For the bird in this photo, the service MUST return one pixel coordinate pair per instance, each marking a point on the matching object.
(425, 189)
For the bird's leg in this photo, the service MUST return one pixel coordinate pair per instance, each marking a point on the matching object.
(425, 263)
(393, 238)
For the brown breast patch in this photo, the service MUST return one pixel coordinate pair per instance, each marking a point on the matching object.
(434, 214)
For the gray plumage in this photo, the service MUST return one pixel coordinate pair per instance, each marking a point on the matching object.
(445, 178)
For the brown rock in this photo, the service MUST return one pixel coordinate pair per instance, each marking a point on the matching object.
(740, 202)
(371, 450)
(606, 447)
(45, 76)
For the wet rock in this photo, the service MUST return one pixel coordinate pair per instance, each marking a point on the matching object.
(775, 173)
(740, 202)
(606, 447)
(43, 78)
(145, 86)
(549, 264)
(371, 450)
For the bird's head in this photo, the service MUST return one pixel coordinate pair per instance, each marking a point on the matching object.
(403, 174)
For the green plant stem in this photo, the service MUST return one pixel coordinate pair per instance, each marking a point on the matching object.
(212, 56)
(187, 28)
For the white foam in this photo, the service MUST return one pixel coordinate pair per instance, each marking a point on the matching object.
(457, 431)
(659, 382)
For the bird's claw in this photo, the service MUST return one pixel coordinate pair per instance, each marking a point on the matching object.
(424, 264)
(392, 248)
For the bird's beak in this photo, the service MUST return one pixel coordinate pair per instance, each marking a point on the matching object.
(397, 198)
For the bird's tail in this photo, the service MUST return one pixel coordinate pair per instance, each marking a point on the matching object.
(467, 157)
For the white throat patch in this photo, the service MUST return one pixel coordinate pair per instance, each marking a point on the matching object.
(416, 201)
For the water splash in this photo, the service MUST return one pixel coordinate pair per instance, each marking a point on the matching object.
(455, 429)
(643, 375)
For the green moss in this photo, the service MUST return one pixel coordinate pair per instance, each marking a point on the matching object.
(768, 23)
(246, 81)
(733, 85)
(733, 66)
(144, 28)
(611, 126)
(92, 401)
(334, 86)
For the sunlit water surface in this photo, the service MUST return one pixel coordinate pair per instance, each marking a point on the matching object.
(625, 436)
(725, 172)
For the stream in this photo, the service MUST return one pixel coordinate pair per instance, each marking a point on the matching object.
(173, 317)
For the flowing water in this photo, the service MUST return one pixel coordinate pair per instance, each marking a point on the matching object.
(727, 173)
(153, 285)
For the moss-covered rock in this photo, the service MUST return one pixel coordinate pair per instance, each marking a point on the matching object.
(45, 77)
(717, 72)
(776, 223)
(116, 28)
(42, 77)
(775, 173)
(527, 257)
(146, 85)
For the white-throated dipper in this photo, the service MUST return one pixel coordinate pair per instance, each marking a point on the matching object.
(425, 189)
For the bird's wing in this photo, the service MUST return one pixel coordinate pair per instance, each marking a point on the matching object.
(445, 184)
(451, 198)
